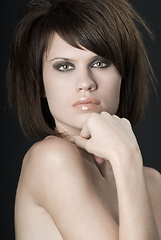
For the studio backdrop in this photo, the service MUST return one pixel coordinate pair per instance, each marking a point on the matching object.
(14, 145)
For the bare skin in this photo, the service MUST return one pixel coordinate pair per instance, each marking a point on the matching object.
(96, 188)
(87, 209)
(33, 210)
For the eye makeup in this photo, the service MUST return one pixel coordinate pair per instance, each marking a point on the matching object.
(100, 63)
(64, 66)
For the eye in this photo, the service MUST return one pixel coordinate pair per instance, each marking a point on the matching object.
(64, 67)
(101, 64)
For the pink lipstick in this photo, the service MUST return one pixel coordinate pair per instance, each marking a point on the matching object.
(85, 104)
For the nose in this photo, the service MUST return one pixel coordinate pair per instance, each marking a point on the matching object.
(85, 82)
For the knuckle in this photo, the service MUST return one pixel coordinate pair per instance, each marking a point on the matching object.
(116, 117)
(103, 113)
(125, 120)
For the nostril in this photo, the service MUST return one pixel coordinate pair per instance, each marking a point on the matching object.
(87, 85)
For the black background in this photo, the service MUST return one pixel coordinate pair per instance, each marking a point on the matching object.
(13, 145)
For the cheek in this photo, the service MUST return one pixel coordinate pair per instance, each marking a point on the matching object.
(54, 97)
(112, 84)
(111, 93)
(115, 87)
(58, 98)
(51, 93)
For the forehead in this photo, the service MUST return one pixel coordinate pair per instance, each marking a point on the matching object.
(59, 48)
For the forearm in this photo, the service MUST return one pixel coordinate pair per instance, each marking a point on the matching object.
(119, 146)
(136, 215)
(135, 210)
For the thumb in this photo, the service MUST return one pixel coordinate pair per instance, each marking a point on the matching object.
(79, 141)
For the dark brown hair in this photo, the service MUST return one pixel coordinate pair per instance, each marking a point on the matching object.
(105, 27)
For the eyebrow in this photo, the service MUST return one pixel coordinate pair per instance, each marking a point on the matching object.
(60, 58)
(68, 59)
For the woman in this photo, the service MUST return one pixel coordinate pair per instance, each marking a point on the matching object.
(78, 74)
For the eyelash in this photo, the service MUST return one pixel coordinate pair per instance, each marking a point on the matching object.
(106, 63)
(60, 65)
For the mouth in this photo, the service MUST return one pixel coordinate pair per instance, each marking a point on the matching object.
(86, 104)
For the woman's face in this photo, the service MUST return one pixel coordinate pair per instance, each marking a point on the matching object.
(77, 83)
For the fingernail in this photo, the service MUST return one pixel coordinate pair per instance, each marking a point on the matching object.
(72, 140)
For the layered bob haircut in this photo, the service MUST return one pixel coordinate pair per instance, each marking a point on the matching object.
(109, 28)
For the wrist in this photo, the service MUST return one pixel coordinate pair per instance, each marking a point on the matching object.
(126, 157)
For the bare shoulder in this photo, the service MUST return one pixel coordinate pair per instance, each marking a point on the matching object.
(46, 161)
(55, 176)
(52, 151)
(51, 148)
(153, 179)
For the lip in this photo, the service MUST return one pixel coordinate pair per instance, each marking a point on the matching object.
(85, 104)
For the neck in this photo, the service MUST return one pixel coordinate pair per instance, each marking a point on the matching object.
(67, 130)
(104, 166)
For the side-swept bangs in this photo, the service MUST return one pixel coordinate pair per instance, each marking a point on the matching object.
(105, 27)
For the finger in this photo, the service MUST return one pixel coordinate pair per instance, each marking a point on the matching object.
(99, 160)
(85, 132)
(79, 141)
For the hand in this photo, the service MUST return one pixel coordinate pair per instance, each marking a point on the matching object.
(105, 136)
